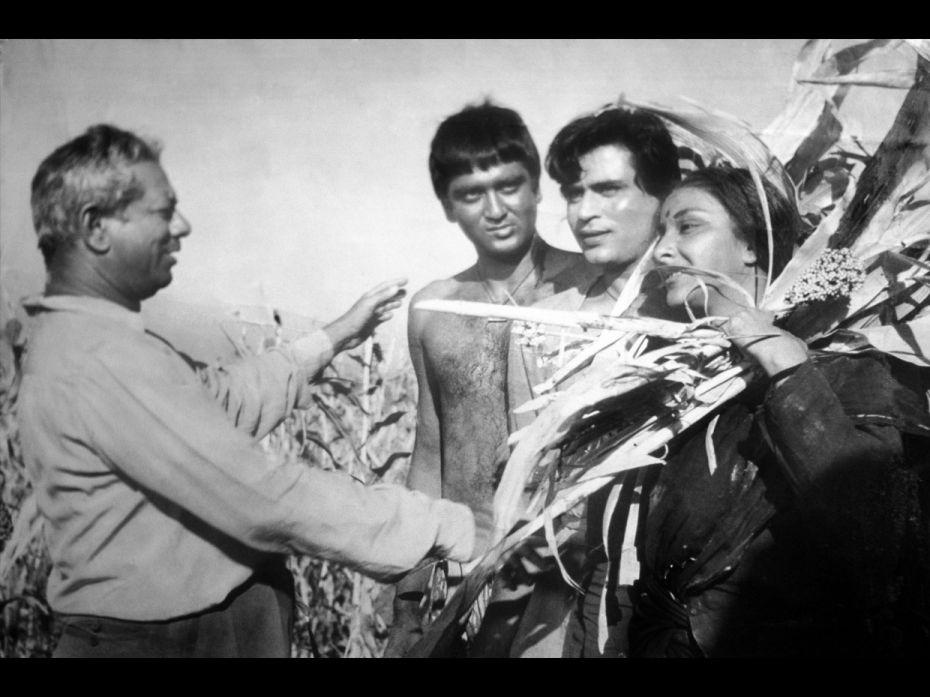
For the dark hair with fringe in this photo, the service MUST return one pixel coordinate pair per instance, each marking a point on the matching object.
(737, 193)
(92, 169)
(479, 137)
(654, 155)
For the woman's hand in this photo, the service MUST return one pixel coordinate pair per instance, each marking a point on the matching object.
(753, 331)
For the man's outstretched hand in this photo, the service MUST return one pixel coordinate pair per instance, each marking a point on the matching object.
(373, 308)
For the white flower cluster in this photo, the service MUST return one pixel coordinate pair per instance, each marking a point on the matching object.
(834, 274)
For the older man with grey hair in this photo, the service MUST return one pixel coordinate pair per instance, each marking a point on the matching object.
(167, 525)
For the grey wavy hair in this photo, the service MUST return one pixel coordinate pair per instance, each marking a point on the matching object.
(90, 170)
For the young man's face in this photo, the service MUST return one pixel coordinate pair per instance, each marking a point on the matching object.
(496, 209)
(612, 218)
(145, 235)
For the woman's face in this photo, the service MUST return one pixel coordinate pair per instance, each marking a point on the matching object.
(696, 230)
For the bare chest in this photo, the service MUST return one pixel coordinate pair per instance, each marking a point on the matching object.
(466, 355)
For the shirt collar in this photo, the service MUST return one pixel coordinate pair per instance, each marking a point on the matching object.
(85, 304)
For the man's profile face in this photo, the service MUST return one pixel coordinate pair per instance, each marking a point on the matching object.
(496, 209)
(145, 235)
(612, 218)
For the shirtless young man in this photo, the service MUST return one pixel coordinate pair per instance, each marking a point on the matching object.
(485, 171)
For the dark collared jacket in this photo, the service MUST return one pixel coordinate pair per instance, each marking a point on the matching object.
(810, 536)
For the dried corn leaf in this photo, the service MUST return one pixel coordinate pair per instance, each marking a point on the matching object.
(921, 46)
(908, 341)
(892, 79)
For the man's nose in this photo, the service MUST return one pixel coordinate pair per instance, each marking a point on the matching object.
(587, 206)
(493, 206)
(179, 227)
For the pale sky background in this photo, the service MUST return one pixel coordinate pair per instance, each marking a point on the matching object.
(301, 164)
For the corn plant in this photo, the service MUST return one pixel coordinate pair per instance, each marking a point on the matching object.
(27, 626)
(362, 422)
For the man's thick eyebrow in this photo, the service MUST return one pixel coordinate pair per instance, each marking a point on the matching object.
(465, 190)
(514, 180)
(605, 183)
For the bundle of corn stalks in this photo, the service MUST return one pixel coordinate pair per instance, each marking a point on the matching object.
(859, 282)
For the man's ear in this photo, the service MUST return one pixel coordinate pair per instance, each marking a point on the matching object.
(447, 208)
(94, 229)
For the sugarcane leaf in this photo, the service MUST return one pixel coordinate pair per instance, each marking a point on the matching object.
(610, 507)
(535, 404)
(763, 198)
(810, 123)
(391, 459)
(340, 427)
(709, 445)
(549, 529)
(578, 361)
(391, 418)
(804, 108)
(907, 341)
(914, 204)
(355, 357)
(620, 460)
(852, 57)
(313, 437)
(339, 385)
(904, 261)
(602, 631)
(902, 155)
(891, 79)
(549, 427)
(921, 46)
(562, 318)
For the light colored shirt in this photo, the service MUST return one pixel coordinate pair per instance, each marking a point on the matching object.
(157, 497)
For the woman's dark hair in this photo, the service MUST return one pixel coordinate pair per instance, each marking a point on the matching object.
(737, 193)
